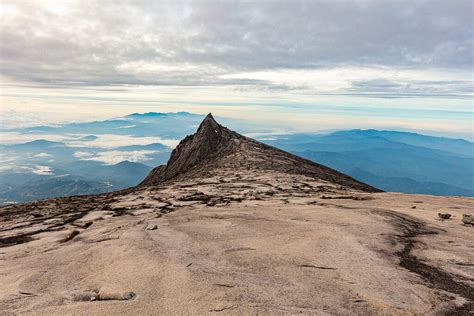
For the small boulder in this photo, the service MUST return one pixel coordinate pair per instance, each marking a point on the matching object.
(444, 215)
(468, 219)
(109, 295)
(70, 236)
(129, 295)
(151, 227)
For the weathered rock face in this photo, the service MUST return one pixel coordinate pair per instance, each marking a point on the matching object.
(211, 141)
(468, 219)
(214, 147)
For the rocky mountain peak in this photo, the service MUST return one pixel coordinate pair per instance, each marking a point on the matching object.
(208, 123)
(215, 149)
(210, 142)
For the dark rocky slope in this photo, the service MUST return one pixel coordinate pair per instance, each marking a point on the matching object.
(214, 146)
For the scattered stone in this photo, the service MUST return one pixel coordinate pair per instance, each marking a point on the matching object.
(102, 295)
(468, 219)
(236, 198)
(152, 227)
(197, 196)
(120, 296)
(82, 224)
(70, 236)
(444, 215)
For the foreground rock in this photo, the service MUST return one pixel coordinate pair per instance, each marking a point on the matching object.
(444, 215)
(468, 219)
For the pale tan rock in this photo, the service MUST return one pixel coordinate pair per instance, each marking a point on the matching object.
(270, 245)
(468, 219)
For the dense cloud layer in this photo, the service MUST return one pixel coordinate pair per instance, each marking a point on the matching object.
(209, 43)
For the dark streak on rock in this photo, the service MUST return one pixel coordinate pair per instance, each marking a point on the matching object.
(224, 285)
(435, 277)
(15, 240)
(316, 267)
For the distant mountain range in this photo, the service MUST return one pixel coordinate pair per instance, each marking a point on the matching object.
(392, 161)
(101, 156)
(76, 178)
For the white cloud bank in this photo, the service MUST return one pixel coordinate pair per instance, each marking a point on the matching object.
(112, 141)
(36, 169)
(116, 156)
(42, 155)
(106, 141)
(90, 59)
(245, 45)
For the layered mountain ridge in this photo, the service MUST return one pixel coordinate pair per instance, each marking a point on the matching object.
(215, 147)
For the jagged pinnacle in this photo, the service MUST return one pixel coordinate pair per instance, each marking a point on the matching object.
(208, 122)
(209, 117)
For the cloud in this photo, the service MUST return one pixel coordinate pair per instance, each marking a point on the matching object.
(128, 126)
(36, 169)
(78, 140)
(411, 88)
(42, 155)
(82, 154)
(208, 43)
(116, 156)
(42, 170)
(113, 141)
(9, 138)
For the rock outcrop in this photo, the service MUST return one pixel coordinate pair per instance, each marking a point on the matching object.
(215, 147)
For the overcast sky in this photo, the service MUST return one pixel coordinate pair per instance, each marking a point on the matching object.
(315, 64)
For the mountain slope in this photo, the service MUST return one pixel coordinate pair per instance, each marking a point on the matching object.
(213, 147)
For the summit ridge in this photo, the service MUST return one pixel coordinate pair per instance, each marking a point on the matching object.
(214, 147)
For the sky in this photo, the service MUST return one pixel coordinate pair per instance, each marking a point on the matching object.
(305, 65)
